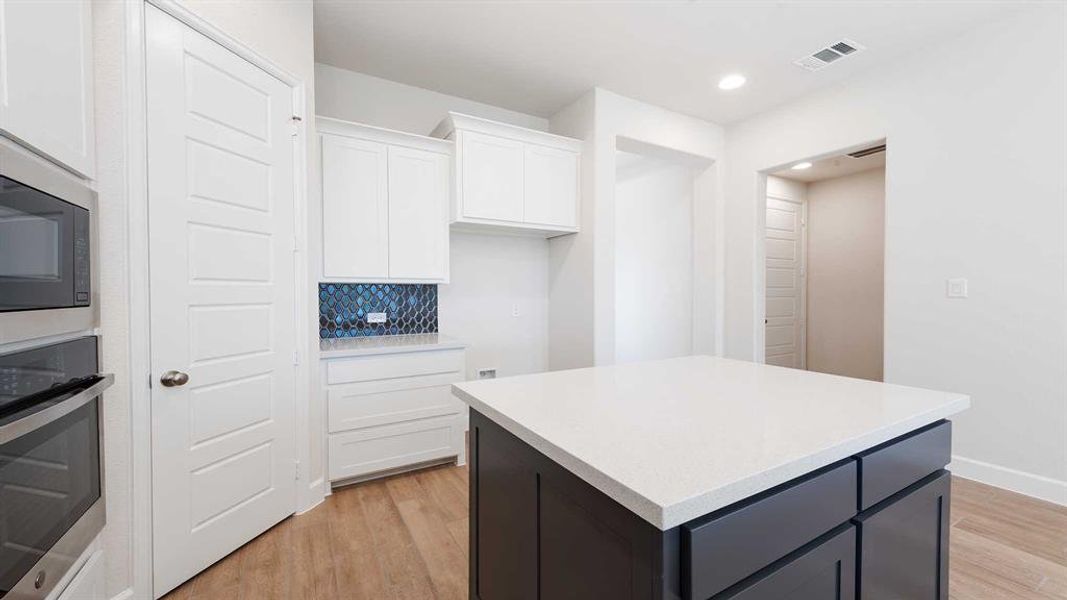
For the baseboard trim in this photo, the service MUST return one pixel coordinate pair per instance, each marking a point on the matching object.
(125, 594)
(1037, 486)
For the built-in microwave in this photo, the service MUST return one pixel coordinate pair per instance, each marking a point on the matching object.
(46, 241)
(44, 250)
(51, 468)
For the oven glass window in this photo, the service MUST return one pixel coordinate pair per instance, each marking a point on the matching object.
(49, 477)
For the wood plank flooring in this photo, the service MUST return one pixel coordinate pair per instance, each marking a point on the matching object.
(405, 538)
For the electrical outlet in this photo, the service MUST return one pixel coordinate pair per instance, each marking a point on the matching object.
(486, 373)
(378, 317)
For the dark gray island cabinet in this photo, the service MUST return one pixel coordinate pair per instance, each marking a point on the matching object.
(874, 526)
(705, 478)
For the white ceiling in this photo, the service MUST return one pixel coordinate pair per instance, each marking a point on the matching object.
(835, 166)
(537, 57)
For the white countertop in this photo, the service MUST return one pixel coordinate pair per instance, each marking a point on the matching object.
(675, 439)
(385, 344)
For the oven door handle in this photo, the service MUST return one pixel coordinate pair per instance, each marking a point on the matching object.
(17, 429)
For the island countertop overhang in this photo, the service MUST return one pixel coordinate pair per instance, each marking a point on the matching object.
(676, 439)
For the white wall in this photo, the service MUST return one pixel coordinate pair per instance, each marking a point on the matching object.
(975, 188)
(108, 72)
(279, 31)
(846, 275)
(653, 259)
(490, 274)
(359, 97)
(780, 187)
(582, 302)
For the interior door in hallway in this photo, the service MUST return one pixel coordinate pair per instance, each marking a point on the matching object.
(785, 310)
(223, 299)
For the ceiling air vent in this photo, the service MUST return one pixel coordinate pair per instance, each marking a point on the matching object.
(867, 151)
(832, 53)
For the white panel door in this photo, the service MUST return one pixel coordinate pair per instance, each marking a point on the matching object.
(785, 284)
(418, 214)
(551, 184)
(355, 208)
(46, 81)
(492, 172)
(223, 305)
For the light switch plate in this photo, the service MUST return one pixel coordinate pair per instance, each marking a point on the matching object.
(378, 317)
(956, 288)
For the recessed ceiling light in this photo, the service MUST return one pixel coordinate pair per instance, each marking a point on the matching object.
(800, 166)
(732, 82)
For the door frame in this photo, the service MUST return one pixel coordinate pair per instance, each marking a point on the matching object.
(802, 310)
(759, 263)
(136, 178)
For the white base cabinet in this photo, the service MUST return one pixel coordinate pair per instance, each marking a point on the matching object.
(385, 197)
(512, 179)
(393, 411)
(46, 79)
(89, 582)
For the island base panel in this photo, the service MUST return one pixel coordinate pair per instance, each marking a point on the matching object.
(538, 531)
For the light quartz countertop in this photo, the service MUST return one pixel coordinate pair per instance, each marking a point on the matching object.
(675, 439)
(386, 344)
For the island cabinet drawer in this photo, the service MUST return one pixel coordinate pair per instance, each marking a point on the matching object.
(392, 366)
(358, 406)
(373, 449)
(894, 465)
(723, 548)
(822, 570)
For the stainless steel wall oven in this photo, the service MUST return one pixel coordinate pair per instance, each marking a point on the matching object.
(51, 463)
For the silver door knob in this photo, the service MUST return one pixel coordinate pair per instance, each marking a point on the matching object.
(174, 379)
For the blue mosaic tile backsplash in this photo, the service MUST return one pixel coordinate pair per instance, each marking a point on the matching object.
(343, 309)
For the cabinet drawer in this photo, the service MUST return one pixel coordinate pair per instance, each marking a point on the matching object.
(893, 466)
(825, 570)
(392, 366)
(904, 545)
(725, 547)
(353, 408)
(373, 449)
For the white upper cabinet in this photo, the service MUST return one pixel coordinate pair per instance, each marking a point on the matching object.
(385, 198)
(355, 208)
(551, 187)
(513, 179)
(46, 79)
(492, 176)
(419, 183)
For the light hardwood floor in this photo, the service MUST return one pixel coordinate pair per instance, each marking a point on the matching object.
(406, 538)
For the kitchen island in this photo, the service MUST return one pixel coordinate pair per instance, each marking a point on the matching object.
(702, 477)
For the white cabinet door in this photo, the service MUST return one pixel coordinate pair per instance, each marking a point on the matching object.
(551, 184)
(418, 214)
(492, 177)
(46, 78)
(355, 208)
(88, 584)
